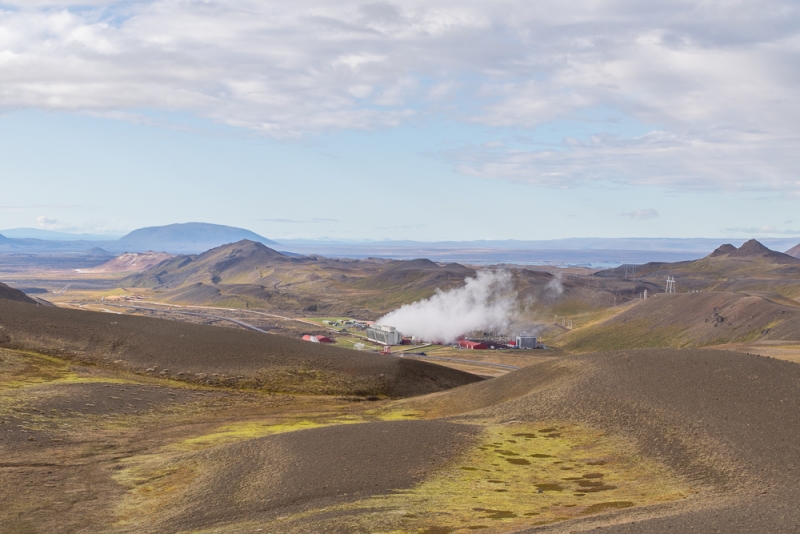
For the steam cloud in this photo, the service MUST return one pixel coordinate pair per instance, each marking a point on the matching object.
(486, 302)
(554, 286)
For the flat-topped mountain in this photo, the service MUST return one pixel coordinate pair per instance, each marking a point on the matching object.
(184, 238)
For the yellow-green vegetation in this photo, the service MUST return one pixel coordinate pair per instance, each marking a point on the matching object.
(518, 475)
(154, 480)
(153, 484)
(394, 414)
(255, 429)
(575, 306)
(635, 334)
(20, 369)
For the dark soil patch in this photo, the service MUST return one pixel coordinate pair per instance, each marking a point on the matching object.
(113, 398)
(605, 506)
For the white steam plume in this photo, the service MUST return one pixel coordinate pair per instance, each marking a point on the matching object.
(554, 286)
(486, 302)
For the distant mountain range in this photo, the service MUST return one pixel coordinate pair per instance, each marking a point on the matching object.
(590, 252)
(194, 238)
(52, 235)
(186, 238)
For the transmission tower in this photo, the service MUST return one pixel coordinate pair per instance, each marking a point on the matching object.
(670, 284)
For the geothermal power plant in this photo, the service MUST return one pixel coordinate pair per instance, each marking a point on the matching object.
(389, 336)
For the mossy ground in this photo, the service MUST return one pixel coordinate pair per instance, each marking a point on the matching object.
(518, 475)
(20, 369)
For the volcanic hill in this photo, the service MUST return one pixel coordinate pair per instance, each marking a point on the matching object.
(250, 274)
(751, 267)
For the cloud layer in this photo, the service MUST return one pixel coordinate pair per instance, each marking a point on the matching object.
(714, 82)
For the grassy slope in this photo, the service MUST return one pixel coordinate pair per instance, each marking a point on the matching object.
(694, 319)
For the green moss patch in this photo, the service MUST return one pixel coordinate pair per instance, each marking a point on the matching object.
(512, 479)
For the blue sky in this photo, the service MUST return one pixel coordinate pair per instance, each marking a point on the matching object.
(421, 120)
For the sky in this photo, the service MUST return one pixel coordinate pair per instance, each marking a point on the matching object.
(434, 120)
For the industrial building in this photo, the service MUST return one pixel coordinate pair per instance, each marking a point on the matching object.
(385, 335)
(526, 342)
(473, 345)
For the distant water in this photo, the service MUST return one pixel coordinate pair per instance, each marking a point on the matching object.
(594, 259)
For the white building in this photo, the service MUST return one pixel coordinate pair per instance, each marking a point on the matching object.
(385, 335)
(526, 342)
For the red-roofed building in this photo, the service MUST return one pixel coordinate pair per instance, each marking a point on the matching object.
(473, 345)
(317, 339)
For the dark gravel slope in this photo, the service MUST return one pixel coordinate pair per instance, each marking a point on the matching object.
(213, 355)
(9, 293)
(260, 479)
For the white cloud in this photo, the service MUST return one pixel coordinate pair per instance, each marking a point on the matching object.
(717, 81)
(769, 230)
(643, 214)
(48, 223)
(718, 160)
(96, 227)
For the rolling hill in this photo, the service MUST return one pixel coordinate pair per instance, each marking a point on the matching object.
(250, 274)
(794, 251)
(751, 267)
(215, 356)
(692, 320)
